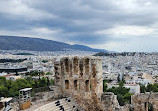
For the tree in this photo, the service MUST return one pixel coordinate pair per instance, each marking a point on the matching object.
(127, 97)
(149, 88)
(2, 80)
(155, 88)
(142, 88)
(121, 84)
(48, 81)
(3, 91)
(122, 93)
(120, 99)
(10, 88)
(105, 85)
(105, 88)
(118, 78)
(40, 73)
(48, 73)
(51, 82)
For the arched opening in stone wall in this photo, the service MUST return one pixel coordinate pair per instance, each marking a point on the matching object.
(94, 70)
(67, 84)
(66, 61)
(90, 87)
(62, 69)
(87, 85)
(150, 107)
(87, 66)
(76, 85)
(81, 69)
(75, 65)
(57, 74)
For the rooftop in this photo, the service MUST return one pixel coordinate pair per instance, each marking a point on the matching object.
(26, 89)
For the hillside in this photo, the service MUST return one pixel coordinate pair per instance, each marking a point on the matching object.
(37, 44)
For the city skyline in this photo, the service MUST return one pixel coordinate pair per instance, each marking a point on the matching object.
(125, 25)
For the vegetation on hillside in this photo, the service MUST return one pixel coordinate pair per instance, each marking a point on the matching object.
(123, 94)
(23, 54)
(37, 44)
(149, 88)
(12, 60)
(44, 61)
(115, 54)
(10, 88)
(35, 73)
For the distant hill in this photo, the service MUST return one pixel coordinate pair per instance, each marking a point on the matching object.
(114, 54)
(86, 48)
(23, 54)
(37, 44)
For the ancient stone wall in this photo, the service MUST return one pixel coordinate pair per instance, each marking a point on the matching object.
(57, 71)
(81, 78)
(145, 102)
(109, 103)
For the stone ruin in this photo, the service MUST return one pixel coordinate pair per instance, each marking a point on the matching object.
(81, 79)
(109, 103)
(145, 102)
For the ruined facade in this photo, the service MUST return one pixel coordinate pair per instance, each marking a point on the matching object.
(109, 103)
(145, 102)
(81, 78)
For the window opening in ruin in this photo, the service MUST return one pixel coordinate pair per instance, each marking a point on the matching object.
(70, 69)
(66, 65)
(81, 70)
(66, 84)
(90, 87)
(75, 63)
(150, 107)
(56, 68)
(87, 85)
(75, 84)
(94, 70)
(87, 66)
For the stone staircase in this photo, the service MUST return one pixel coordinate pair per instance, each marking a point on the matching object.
(65, 104)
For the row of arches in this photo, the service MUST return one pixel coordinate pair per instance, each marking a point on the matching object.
(77, 85)
(76, 64)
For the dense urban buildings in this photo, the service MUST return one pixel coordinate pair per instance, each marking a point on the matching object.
(89, 82)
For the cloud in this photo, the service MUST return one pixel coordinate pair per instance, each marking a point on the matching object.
(17, 9)
(105, 24)
(127, 31)
(34, 32)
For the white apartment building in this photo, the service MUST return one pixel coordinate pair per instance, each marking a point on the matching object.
(134, 88)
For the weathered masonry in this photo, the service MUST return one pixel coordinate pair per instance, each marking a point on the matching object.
(81, 79)
(145, 102)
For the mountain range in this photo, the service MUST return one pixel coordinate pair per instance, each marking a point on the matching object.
(38, 44)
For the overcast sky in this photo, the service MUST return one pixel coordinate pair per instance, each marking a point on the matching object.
(116, 25)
